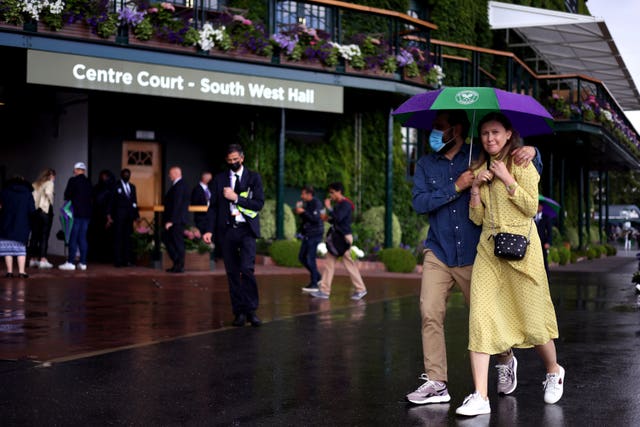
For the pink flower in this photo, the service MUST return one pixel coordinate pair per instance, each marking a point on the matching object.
(167, 6)
(143, 230)
(152, 10)
(247, 22)
(555, 96)
(196, 233)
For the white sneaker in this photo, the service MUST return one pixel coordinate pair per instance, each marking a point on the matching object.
(638, 287)
(554, 386)
(82, 266)
(67, 266)
(45, 264)
(33, 263)
(474, 405)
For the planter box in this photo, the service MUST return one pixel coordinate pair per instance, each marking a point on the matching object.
(159, 43)
(77, 30)
(305, 63)
(193, 261)
(372, 72)
(239, 55)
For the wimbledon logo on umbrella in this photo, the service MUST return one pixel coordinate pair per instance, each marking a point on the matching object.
(467, 97)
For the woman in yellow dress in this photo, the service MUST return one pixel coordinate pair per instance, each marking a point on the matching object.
(510, 304)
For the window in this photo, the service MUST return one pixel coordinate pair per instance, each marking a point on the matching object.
(410, 149)
(290, 13)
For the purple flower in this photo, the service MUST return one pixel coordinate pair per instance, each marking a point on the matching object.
(130, 17)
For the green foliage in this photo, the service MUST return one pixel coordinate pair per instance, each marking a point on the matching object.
(191, 37)
(611, 250)
(268, 221)
(574, 257)
(564, 255)
(571, 234)
(285, 252)
(592, 252)
(398, 260)
(556, 237)
(553, 256)
(144, 30)
(373, 220)
(107, 26)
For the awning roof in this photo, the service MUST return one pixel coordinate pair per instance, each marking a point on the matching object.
(570, 44)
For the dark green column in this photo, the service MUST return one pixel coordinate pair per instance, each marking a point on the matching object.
(388, 208)
(280, 179)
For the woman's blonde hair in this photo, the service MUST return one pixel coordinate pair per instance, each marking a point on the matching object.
(44, 176)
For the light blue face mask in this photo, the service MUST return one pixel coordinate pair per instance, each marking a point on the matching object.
(436, 140)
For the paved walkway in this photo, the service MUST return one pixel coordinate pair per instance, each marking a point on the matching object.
(142, 347)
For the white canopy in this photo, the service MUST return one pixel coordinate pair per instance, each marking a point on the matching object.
(570, 44)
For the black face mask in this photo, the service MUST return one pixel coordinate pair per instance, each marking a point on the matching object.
(125, 178)
(235, 166)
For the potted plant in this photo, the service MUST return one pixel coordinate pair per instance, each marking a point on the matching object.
(142, 241)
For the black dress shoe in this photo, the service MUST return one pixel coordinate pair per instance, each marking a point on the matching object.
(254, 320)
(170, 270)
(23, 275)
(8, 275)
(240, 320)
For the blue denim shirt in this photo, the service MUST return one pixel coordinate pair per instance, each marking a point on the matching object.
(452, 236)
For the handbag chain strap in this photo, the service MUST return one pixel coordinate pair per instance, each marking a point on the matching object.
(493, 223)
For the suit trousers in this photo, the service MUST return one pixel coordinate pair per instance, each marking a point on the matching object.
(174, 241)
(122, 245)
(438, 280)
(352, 269)
(239, 254)
(307, 257)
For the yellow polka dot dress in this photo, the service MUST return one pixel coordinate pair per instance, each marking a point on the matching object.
(510, 301)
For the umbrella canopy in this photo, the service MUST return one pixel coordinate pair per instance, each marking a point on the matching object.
(66, 220)
(527, 115)
(550, 207)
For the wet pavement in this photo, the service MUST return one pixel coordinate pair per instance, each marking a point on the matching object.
(141, 347)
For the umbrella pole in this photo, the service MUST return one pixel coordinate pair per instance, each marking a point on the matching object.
(473, 123)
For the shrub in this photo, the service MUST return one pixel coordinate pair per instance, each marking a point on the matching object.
(556, 237)
(268, 221)
(285, 252)
(592, 252)
(611, 250)
(572, 236)
(564, 255)
(372, 223)
(573, 257)
(553, 256)
(398, 260)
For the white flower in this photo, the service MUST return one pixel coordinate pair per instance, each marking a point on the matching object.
(356, 252)
(35, 7)
(348, 52)
(322, 249)
(607, 115)
(209, 36)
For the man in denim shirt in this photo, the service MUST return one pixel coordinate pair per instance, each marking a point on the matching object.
(440, 189)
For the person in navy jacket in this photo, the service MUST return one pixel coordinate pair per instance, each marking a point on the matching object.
(123, 211)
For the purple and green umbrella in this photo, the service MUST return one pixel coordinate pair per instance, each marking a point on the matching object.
(527, 115)
(550, 207)
(66, 220)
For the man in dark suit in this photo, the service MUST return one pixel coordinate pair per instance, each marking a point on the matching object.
(545, 231)
(123, 210)
(200, 196)
(176, 215)
(236, 198)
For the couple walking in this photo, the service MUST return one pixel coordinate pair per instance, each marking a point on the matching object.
(510, 305)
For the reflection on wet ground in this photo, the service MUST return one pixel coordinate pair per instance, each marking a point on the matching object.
(65, 315)
(315, 363)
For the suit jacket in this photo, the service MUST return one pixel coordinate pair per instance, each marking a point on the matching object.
(199, 198)
(219, 212)
(176, 204)
(545, 229)
(123, 206)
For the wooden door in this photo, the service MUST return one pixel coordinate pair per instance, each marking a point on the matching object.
(143, 159)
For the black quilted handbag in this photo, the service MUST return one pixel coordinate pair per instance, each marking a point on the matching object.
(510, 246)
